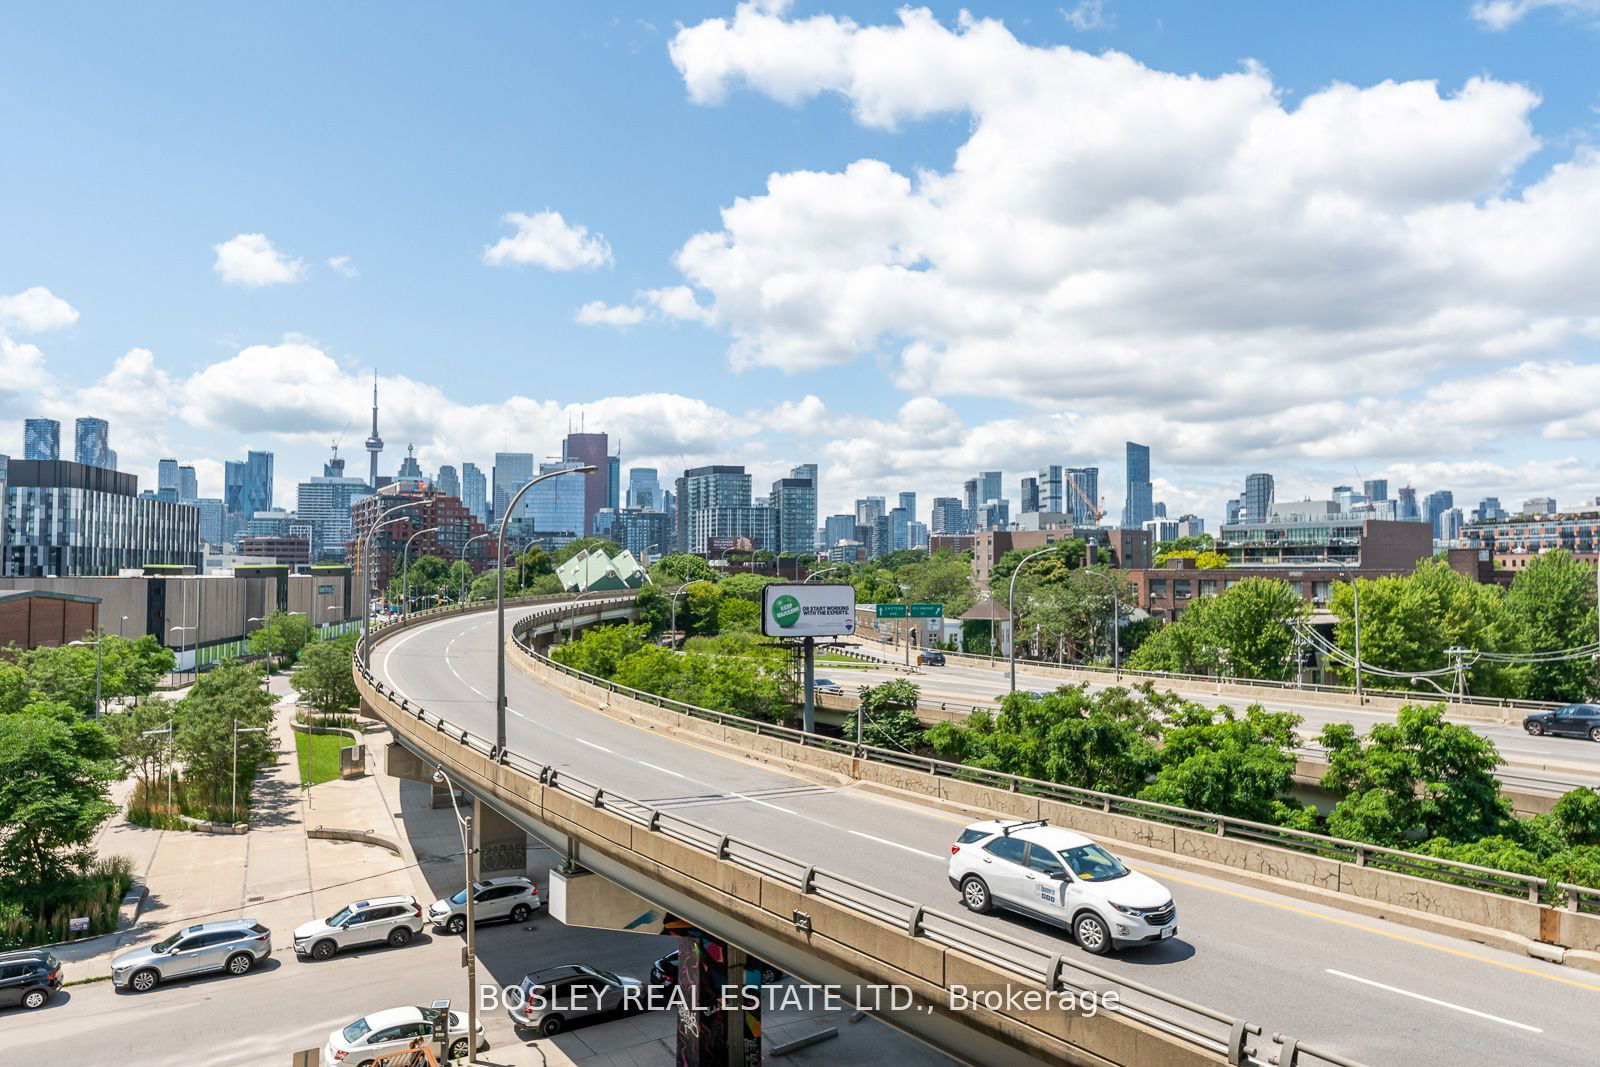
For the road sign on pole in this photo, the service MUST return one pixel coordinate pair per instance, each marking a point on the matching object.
(891, 611)
(927, 611)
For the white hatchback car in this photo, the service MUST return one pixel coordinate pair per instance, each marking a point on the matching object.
(1063, 878)
(382, 920)
(391, 1030)
(513, 898)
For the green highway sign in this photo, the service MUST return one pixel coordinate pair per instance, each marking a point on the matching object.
(912, 611)
(891, 611)
(927, 611)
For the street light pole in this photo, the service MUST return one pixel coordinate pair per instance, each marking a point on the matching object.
(470, 843)
(99, 639)
(366, 577)
(500, 607)
(405, 571)
(464, 544)
(237, 730)
(171, 762)
(1011, 611)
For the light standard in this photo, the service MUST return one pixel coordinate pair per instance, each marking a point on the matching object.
(181, 630)
(1011, 611)
(825, 570)
(500, 610)
(1355, 599)
(405, 570)
(1116, 622)
(464, 544)
(267, 682)
(237, 730)
(469, 848)
(99, 639)
(171, 763)
(366, 578)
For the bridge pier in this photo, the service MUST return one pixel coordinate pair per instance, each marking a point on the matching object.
(719, 1001)
(503, 847)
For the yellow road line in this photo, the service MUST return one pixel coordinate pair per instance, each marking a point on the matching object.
(1391, 935)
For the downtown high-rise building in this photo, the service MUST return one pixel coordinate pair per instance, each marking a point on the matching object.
(41, 439)
(1029, 493)
(714, 502)
(324, 504)
(1434, 505)
(947, 516)
(1375, 489)
(1136, 507)
(970, 500)
(1049, 490)
(511, 471)
(592, 450)
(475, 492)
(188, 485)
(1258, 497)
(989, 487)
(1080, 490)
(795, 500)
(836, 528)
(1406, 509)
(908, 501)
(246, 489)
(644, 489)
(869, 509)
(613, 483)
(91, 443)
(448, 482)
(553, 511)
(167, 480)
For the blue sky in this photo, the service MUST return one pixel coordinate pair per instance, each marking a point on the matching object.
(399, 136)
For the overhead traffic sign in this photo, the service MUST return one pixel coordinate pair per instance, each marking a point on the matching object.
(891, 611)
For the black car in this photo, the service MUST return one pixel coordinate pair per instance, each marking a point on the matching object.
(664, 972)
(931, 658)
(1574, 720)
(28, 978)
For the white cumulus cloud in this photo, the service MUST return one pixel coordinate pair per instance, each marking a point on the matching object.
(343, 265)
(545, 239)
(1503, 14)
(35, 310)
(599, 313)
(251, 260)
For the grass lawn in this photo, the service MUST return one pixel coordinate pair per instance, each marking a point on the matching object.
(319, 756)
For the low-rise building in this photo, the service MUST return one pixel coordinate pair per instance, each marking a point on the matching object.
(1514, 542)
(1126, 548)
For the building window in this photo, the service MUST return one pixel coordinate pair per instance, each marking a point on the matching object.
(1158, 589)
(1182, 588)
(1208, 587)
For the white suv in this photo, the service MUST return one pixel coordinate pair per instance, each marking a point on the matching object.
(511, 898)
(1063, 878)
(391, 920)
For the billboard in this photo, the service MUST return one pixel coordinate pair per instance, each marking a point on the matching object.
(808, 610)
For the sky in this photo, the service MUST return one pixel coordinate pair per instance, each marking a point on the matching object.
(1329, 242)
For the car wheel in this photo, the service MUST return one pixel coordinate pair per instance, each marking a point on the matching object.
(34, 998)
(240, 963)
(975, 895)
(1092, 935)
(1534, 728)
(520, 913)
(458, 1048)
(143, 981)
(400, 935)
(365, 1063)
(1594, 733)
(551, 1025)
(457, 924)
(323, 950)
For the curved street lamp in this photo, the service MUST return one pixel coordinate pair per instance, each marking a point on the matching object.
(1011, 611)
(500, 607)
(464, 544)
(825, 570)
(1116, 621)
(405, 570)
(366, 577)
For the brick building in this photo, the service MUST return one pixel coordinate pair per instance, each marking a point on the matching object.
(451, 528)
(34, 618)
(294, 552)
(1128, 548)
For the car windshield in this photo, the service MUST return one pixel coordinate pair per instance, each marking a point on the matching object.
(1093, 863)
(339, 916)
(459, 898)
(356, 1030)
(166, 943)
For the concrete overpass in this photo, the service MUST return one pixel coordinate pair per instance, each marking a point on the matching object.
(740, 832)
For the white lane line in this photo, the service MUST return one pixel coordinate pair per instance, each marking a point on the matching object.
(663, 770)
(515, 712)
(896, 844)
(591, 744)
(1432, 1000)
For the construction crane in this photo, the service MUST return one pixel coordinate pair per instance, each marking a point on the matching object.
(1096, 513)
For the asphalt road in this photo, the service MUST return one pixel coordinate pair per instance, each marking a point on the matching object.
(1375, 991)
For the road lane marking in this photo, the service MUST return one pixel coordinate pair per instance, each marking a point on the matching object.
(663, 770)
(896, 844)
(1391, 935)
(591, 744)
(1433, 1000)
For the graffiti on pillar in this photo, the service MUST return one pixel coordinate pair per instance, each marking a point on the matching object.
(503, 855)
(710, 1023)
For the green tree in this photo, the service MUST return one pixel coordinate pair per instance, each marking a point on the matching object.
(423, 578)
(681, 568)
(287, 632)
(56, 769)
(942, 579)
(655, 609)
(697, 613)
(876, 585)
(1070, 615)
(1417, 776)
(736, 615)
(1245, 632)
(458, 577)
(483, 586)
(1050, 567)
(144, 757)
(1206, 560)
(1553, 602)
(134, 668)
(222, 698)
(61, 675)
(1180, 546)
(601, 649)
(746, 586)
(324, 679)
(1241, 765)
(13, 684)
(889, 715)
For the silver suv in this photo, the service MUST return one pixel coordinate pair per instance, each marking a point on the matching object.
(391, 920)
(234, 946)
(513, 898)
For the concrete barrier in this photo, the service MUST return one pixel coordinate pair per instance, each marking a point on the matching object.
(363, 837)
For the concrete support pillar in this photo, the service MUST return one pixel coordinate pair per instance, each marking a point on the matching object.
(441, 794)
(504, 843)
(723, 1029)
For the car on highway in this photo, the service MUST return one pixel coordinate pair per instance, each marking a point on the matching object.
(392, 1030)
(233, 946)
(827, 685)
(550, 1000)
(664, 972)
(382, 920)
(514, 898)
(28, 978)
(931, 658)
(1573, 720)
(1063, 878)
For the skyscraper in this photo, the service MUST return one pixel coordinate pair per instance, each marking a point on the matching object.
(324, 504)
(1258, 497)
(1406, 510)
(91, 443)
(41, 439)
(474, 492)
(795, 500)
(1029, 492)
(247, 488)
(1049, 489)
(512, 470)
(946, 516)
(713, 501)
(1376, 488)
(907, 501)
(989, 487)
(167, 480)
(374, 442)
(552, 513)
(838, 528)
(869, 509)
(1080, 490)
(1434, 505)
(188, 485)
(409, 467)
(1136, 509)
(644, 489)
(970, 501)
(613, 469)
(591, 450)
(447, 482)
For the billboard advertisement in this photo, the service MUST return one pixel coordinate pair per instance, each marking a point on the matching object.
(808, 610)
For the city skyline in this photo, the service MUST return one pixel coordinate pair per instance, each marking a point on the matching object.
(252, 318)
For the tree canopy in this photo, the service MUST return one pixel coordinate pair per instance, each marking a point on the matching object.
(1244, 631)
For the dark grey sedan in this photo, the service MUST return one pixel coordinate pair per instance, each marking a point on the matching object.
(1574, 720)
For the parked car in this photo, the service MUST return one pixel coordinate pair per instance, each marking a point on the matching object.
(551, 999)
(1574, 720)
(1063, 878)
(395, 920)
(931, 657)
(511, 898)
(664, 972)
(234, 946)
(28, 978)
(392, 1030)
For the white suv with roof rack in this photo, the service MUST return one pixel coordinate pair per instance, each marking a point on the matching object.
(1063, 878)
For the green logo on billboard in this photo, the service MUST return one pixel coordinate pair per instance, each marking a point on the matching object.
(786, 610)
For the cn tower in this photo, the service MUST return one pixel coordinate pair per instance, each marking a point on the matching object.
(374, 442)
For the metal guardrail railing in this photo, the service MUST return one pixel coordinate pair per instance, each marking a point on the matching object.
(1534, 888)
